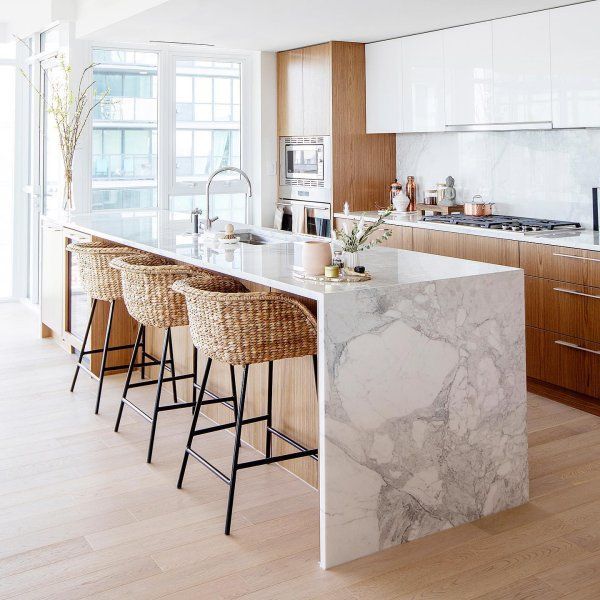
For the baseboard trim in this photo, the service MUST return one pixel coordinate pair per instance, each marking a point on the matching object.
(553, 392)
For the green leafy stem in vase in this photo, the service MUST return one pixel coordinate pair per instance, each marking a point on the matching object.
(360, 237)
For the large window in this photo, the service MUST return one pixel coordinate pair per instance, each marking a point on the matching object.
(207, 95)
(124, 147)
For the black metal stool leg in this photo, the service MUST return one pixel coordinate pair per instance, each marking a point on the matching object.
(172, 362)
(111, 312)
(161, 374)
(316, 372)
(197, 411)
(84, 343)
(129, 374)
(236, 450)
(195, 377)
(143, 357)
(233, 390)
(269, 410)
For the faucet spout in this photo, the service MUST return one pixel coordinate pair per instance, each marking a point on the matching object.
(208, 221)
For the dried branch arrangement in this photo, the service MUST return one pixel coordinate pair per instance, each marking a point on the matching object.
(71, 111)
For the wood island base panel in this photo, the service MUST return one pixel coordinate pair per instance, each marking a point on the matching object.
(421, 412)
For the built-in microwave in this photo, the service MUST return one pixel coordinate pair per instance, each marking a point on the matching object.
(305, 164)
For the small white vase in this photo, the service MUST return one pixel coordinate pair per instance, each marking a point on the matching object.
(351, 260)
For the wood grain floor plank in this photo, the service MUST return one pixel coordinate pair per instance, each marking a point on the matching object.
(82, 515)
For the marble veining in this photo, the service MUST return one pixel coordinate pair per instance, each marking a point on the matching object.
(425, 419)
(421, 381)
(539, 173)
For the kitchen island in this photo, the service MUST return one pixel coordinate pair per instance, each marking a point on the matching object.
(422, 400)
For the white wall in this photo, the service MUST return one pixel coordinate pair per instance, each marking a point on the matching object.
(546, 174)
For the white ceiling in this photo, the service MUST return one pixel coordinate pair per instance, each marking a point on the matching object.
(284, 24)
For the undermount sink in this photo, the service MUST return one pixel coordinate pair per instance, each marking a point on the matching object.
(255, 239)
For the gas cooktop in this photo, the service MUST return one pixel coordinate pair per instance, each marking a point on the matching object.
(504, 222)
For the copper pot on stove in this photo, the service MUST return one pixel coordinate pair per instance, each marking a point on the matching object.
(478, 208)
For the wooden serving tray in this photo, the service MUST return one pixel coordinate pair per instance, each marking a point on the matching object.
(346, 277)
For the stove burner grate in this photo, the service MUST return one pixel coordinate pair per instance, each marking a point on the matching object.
(505, 222)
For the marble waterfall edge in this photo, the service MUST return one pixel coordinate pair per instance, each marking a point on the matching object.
(424, 427)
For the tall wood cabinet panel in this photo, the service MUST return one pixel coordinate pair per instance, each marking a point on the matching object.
(363, 165)
(316, 90)
(575, 59)
(290, 111)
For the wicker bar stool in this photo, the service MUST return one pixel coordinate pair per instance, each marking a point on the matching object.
(246, 329)
(148, 296)
(102, 284)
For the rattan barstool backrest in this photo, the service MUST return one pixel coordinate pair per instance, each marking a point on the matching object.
(98, 279)
(247, 328)
(147, 292)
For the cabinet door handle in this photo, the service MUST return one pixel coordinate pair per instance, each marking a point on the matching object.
(575, 293)
(576, 257)
(576, 347)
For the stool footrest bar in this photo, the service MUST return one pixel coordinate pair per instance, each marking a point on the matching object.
(290, 441)
(112, 348)
(176, 405)
(138, 410)
(272, 459)
(209, 466)
(155, 381)
(222, 426)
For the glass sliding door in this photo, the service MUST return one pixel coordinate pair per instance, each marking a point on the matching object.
(125, 144)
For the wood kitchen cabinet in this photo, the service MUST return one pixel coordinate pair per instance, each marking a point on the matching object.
(304, 91)
(443, 243)
(290, 117)
(321, 91)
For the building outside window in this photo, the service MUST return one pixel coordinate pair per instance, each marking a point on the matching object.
(207, 118)
(125, 138)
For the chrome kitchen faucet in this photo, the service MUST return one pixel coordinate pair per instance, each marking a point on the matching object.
(208, 221)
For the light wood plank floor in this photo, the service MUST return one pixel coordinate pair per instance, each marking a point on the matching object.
(82, 515)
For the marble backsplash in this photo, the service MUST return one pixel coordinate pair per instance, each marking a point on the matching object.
(544, 173)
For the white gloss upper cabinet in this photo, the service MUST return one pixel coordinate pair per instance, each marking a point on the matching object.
(575, 65)
(521, 55)
(468, 74)
(423, 82)
(384, 86)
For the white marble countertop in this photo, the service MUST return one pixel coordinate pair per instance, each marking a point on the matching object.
(167, 234)
(584, 239)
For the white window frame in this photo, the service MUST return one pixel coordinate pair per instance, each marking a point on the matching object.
(167, 57)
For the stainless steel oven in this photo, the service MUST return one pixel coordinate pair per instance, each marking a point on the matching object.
(297, 216)
(305, 168)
